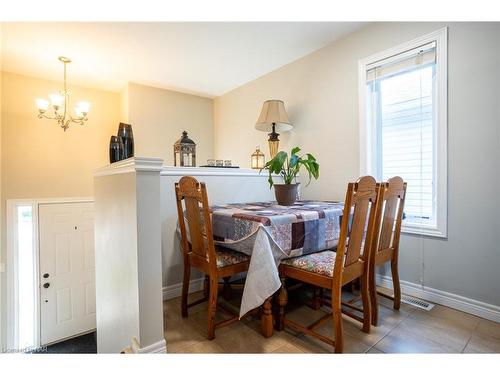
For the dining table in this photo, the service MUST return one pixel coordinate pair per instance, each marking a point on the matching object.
(269, 233)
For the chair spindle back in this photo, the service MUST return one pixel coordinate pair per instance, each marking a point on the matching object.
(360, 204)
(390, 214)
(197, 215)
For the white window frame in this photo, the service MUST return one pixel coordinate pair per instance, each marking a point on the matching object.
(367, 135)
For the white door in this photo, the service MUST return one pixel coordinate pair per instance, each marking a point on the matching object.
(67, 280)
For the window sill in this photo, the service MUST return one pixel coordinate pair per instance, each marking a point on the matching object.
(424, 230)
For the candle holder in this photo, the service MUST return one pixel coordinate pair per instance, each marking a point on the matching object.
(258, 160)
(184, 152)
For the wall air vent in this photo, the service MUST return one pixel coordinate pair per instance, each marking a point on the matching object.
(420, 303)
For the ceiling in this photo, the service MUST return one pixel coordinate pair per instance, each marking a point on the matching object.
(203, 58)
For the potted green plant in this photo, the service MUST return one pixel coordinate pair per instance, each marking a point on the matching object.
(288, 168)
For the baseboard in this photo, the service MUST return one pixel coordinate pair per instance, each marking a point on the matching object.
(173, 291)
(468, 305)
(159, 347)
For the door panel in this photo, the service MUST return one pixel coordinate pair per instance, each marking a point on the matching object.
(63, 305)
(67, 296)
(88, 248)
(62, 254)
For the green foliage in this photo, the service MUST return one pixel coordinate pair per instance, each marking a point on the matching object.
(288, 167)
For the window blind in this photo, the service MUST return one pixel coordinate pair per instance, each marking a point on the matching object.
(410, 59)
(403, 111)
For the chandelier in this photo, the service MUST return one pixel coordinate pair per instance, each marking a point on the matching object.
(59, 105)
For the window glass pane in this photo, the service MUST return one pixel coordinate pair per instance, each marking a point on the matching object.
(406, 137)
(26, 277)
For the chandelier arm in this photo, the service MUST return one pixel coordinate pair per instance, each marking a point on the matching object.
(67, 122)
(78, 120)
(43, 115)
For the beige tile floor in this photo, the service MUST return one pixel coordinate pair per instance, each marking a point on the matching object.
(410, 330)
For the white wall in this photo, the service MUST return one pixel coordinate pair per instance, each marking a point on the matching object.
(128, 256)
(321, 96)
(117, 299)
(159, 116)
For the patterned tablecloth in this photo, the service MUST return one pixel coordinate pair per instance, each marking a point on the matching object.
(269, 233)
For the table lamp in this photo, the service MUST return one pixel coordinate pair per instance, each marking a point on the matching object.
(273, 118)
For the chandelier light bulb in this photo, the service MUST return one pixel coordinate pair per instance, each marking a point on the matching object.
(56, 100)
(83, 107)
(42, 104)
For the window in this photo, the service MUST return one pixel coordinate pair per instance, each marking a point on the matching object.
(27, 283)
(22, 271)
(403, 126)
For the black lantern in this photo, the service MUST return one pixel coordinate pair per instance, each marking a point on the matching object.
(184, 152)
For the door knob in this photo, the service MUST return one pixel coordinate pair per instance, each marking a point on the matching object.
(46, 285)
(45, 275)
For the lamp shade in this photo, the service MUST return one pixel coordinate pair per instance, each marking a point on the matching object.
(273, 111)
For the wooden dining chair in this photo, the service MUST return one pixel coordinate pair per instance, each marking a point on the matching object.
(385, 242)
(200, 252)
(331, 270)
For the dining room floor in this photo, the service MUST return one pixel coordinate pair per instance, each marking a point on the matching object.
(410, 330)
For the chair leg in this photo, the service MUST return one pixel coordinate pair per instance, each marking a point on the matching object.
(316, 301)
(365, 297)
(373, 298)
(212, 306)
(185, 288)
(337, 321)
(395, 283)
(282, 301)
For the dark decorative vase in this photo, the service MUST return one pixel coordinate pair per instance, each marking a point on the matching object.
(115, 149)
(127, 137)
(286, 194)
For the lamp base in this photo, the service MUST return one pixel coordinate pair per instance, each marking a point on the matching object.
(274, 142)
(273, 148)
